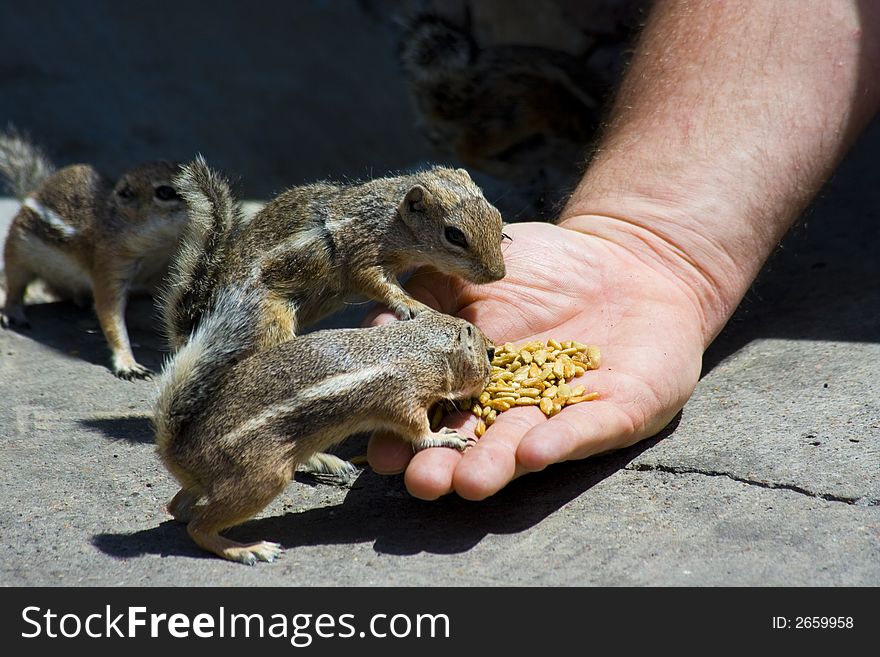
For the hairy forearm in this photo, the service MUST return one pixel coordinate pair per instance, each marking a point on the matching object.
(729, 120)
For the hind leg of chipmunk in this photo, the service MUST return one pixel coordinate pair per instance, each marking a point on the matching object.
(218, 514)
(181, 505)
(328, 464)
(445, 437)
(12, 314)
(17, 280)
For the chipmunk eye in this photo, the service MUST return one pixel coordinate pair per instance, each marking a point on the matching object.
(455, 236)
(166, 193)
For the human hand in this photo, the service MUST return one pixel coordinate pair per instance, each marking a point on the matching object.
(569, 285)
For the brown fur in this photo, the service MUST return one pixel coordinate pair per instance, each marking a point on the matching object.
(509, 111)
(233, 429)
(86, 237)
(314, 246)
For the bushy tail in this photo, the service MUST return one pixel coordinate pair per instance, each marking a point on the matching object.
(194, 272)
(23, 165)
(224, 336)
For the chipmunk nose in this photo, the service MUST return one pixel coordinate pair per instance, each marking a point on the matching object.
(487, 274)
(497, 272)
(491, 353)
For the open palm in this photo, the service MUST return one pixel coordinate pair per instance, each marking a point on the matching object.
(566, 285)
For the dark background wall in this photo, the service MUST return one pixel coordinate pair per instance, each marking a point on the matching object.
(275, 93)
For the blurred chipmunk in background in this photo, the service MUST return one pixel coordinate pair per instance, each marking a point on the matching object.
(514, 90)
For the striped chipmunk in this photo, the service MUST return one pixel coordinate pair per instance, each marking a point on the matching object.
(88, 238)
(232, 430)
(315, 246)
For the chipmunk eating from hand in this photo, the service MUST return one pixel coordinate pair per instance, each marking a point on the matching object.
(233, 422)
(315, 246)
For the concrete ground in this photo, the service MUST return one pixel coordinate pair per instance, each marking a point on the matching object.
(771, 475)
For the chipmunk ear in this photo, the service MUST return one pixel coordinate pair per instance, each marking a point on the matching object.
(466, 334)
(414, 204)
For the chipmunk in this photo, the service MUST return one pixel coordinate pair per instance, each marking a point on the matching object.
(514, 112)
(85, 236)
(483, 103)
(233, 421)
(316, 245)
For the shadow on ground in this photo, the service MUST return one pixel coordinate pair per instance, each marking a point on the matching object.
(132, 428)
(823, 282)
(378, 509)
(74, 332)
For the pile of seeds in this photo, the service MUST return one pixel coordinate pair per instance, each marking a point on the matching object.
(535, 374)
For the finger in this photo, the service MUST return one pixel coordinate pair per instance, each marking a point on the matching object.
(388, 454)
(378, 316)
(440, 291)
(429, 474)
(579, 431)
(491, 464)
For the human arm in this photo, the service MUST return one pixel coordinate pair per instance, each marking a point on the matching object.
(729, 120)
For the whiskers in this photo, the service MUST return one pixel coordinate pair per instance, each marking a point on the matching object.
(506, 241)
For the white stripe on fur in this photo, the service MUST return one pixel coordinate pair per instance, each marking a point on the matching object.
(50, 216)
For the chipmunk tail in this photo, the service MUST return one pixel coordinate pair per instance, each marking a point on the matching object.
(23, 165)
(194, 271)
(190, 377)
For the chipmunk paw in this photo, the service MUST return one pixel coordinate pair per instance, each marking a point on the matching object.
(132, 372)
(251, 554)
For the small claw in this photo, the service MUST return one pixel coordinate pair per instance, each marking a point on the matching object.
(269, 552)
(135, 372)
(404, 313)
(412, 310)
(451, 439)
(264, 551)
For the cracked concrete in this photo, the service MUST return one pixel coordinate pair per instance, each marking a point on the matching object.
(770, 476)
(860, 501)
